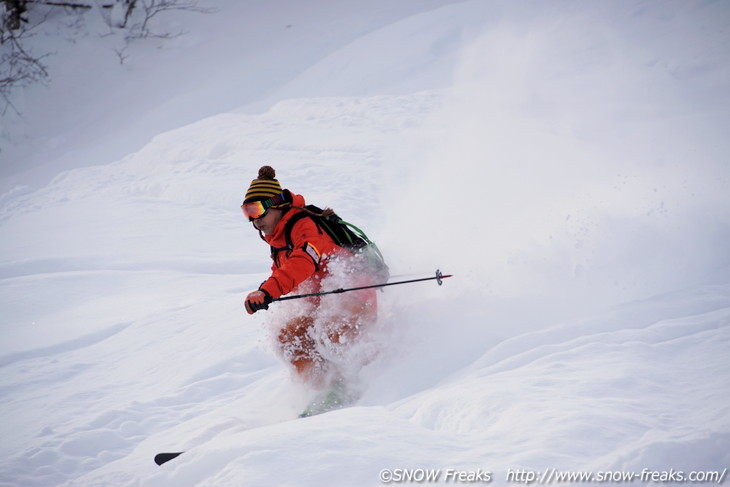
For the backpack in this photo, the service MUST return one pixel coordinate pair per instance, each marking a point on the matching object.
(344, 234)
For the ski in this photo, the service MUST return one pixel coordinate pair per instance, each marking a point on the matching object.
(161, 458)
(336, 397)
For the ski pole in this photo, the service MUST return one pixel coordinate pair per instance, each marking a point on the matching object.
(438, 278)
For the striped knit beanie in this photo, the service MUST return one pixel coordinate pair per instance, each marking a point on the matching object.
(263, 187)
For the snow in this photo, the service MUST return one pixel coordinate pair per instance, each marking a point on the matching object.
(567, 162)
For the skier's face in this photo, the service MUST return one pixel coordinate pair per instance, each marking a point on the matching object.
(267, 223)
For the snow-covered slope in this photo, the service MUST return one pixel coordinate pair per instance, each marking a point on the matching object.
(567, 163)
(98, 109)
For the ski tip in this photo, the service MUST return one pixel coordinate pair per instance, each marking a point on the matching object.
(161, 458)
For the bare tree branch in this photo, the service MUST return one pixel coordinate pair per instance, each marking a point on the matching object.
(151, 8)
(18, 66)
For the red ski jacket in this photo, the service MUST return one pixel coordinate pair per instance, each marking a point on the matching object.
(307, 261)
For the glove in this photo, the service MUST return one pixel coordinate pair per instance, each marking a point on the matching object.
(257, 300)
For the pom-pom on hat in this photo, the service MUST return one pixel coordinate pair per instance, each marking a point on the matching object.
(263, 187)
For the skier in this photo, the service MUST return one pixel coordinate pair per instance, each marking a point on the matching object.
(301, 269)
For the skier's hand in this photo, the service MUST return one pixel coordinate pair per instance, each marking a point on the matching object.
(257, 300)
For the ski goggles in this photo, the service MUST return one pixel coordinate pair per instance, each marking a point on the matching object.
(257, 209)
